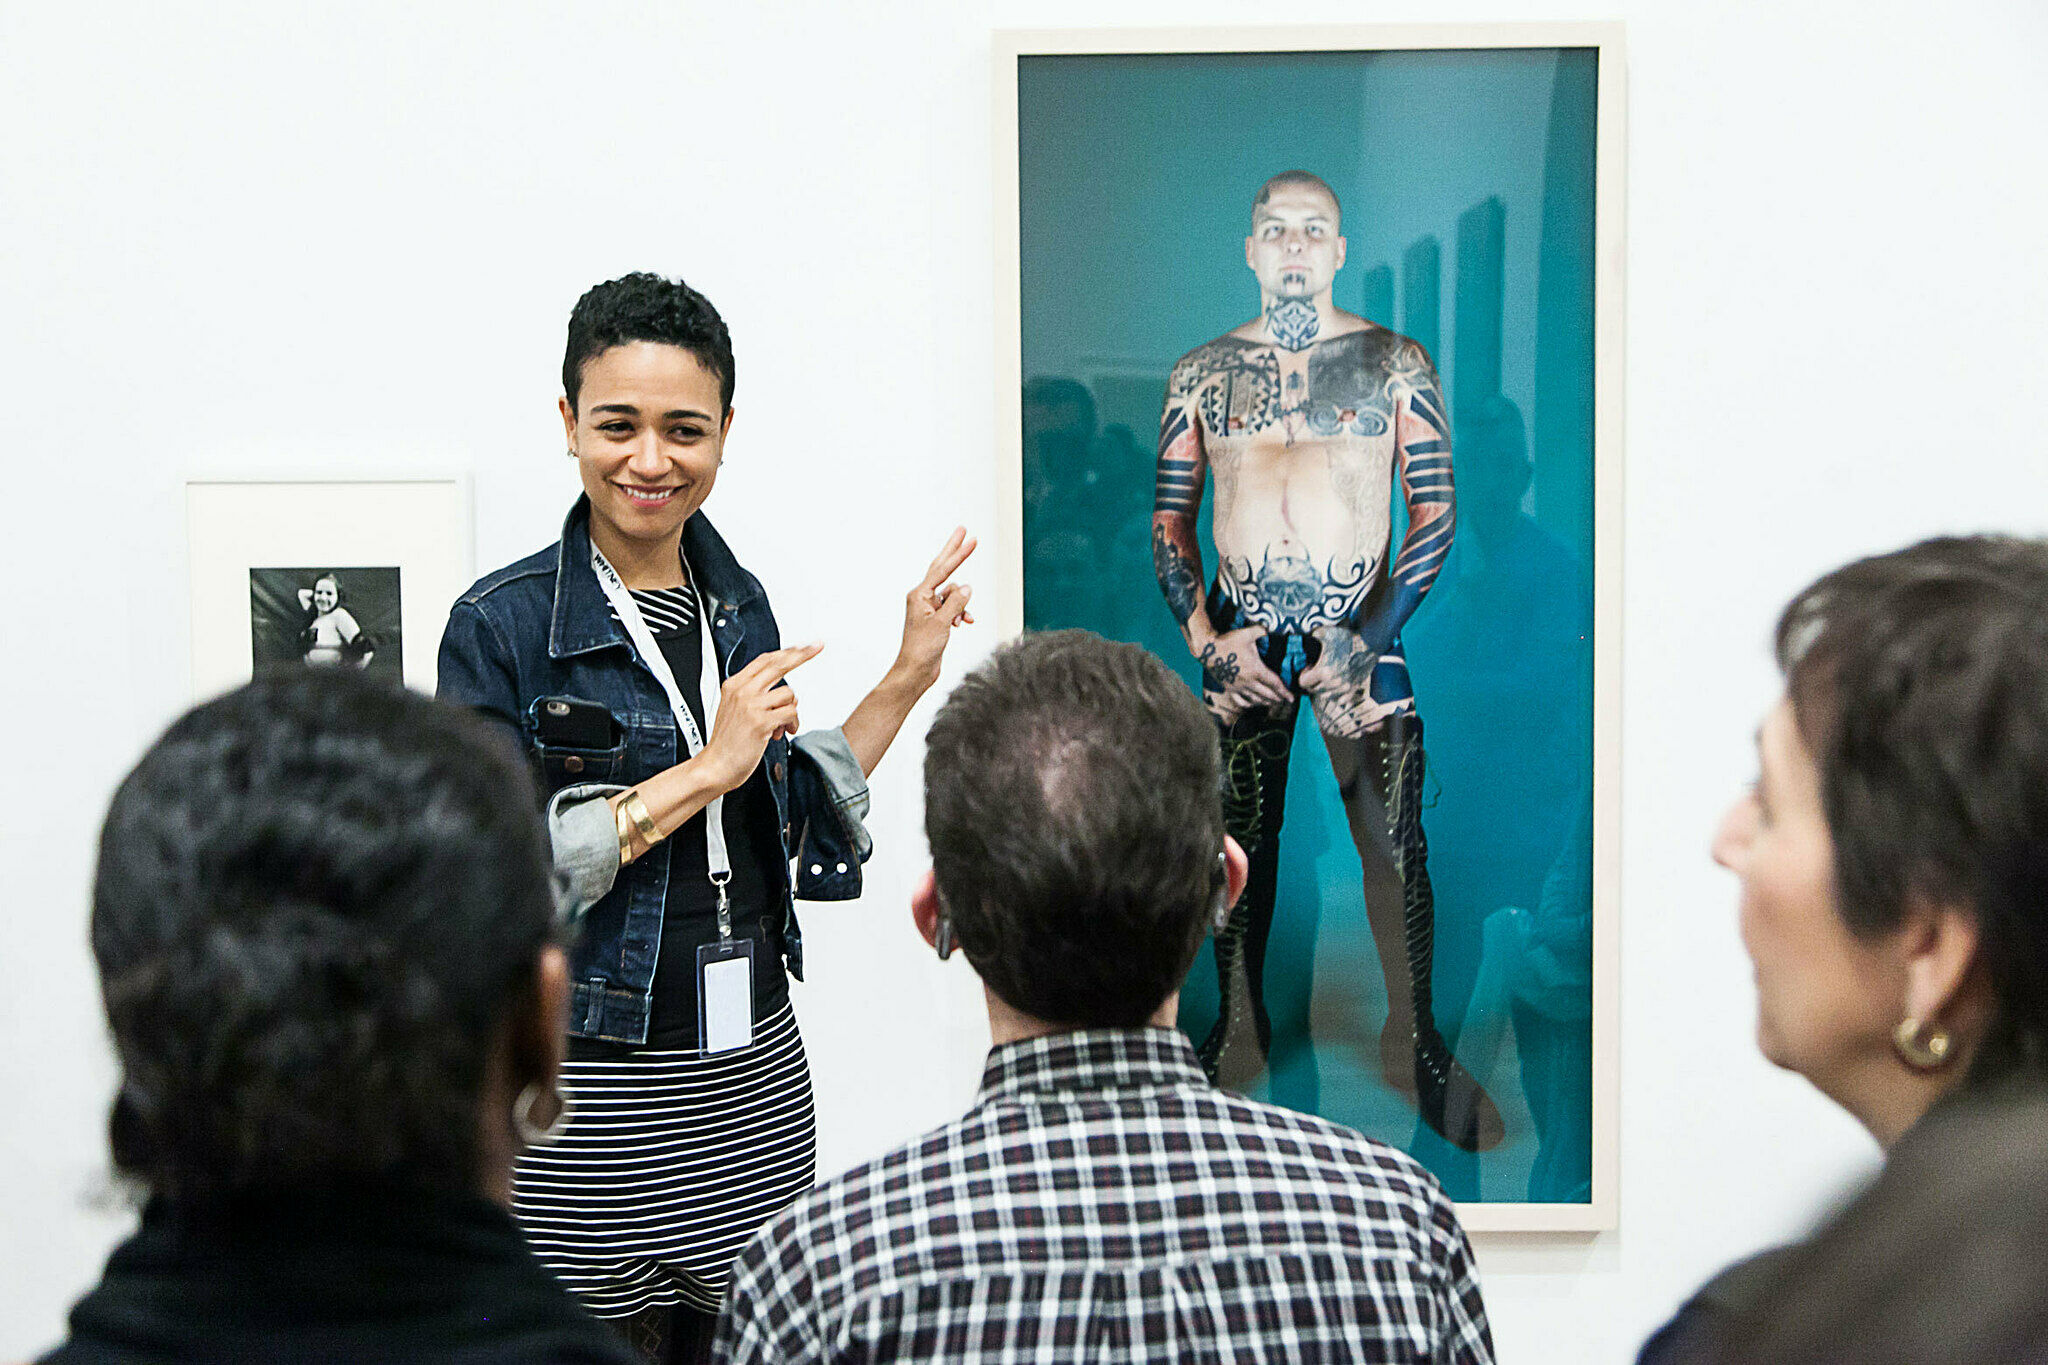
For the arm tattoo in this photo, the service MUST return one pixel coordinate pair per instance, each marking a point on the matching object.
(1177, 495)
(1425, 456)
(1177, 486)
(1177, 563)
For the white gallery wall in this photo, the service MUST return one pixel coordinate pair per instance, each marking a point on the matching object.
(342, 240)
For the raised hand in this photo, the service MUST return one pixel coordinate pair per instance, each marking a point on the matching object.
(931, 610)
(1234, 678)
(753, 707)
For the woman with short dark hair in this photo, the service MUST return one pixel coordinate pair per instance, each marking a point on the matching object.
(1894, 852)
(640, 666)
(326, 946)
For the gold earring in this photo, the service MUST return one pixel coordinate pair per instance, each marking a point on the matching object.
(1924, 1047)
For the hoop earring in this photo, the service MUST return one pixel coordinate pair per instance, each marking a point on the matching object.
(1924, 1047)
(531, 1132)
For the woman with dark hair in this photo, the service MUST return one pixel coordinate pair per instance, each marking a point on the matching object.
(1894, 859)
(326, 944)
(641, 668)
(332, 635)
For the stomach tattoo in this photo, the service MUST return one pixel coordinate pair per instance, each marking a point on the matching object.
(1289, 593)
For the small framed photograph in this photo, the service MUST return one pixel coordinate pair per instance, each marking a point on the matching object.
(323, 575)
(1309, 381)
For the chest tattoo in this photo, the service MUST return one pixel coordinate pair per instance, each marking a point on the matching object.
(1242, 395)
(1346, 386)
(1351, 386)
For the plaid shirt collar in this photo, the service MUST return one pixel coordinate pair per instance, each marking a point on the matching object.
(1089, 1061)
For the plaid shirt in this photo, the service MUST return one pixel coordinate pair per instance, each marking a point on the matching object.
(1103, 1202)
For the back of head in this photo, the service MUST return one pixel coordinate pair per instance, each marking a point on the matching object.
(1919, 682)
(317, 897)
(1075, 823)
(1493, 457)
(1057, 401)
(646, 307)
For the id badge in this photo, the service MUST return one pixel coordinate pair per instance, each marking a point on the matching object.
(725, 995)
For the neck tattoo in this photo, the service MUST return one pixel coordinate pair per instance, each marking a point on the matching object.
(1293, 324)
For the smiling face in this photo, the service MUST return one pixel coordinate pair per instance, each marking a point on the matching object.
(648, 433)
(326, 593)
(1827, 999)
(1294, 249)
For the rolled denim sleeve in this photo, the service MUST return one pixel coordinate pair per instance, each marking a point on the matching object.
(845, 785)
(585, 838)
(828, 797)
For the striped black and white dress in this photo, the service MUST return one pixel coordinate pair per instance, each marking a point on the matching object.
(672, 1158)
(670, 1162)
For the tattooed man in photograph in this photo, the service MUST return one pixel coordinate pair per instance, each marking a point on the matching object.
(1304, 415)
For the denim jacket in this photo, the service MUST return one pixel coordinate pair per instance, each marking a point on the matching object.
(542, 628)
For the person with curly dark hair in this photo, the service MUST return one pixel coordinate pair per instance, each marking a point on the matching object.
(1893, 856)
(641, 668)
(326, 945)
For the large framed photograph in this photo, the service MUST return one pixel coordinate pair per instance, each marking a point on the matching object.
(1309, 380)
(323, 575)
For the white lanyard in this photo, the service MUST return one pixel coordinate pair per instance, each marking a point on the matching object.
(716, 858)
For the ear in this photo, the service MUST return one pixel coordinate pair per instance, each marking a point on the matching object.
(540, 1024)
(568, 420)
(1939, 944)
(925, 907)
(1341, 247)
(1237, 869)
(1248, 254)
(725, 428)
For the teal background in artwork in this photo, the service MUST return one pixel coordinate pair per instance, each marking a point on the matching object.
(1467, 184)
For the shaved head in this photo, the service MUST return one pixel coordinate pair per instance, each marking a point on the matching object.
(1288, 180)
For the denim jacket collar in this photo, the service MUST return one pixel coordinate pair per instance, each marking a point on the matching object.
(583, 620)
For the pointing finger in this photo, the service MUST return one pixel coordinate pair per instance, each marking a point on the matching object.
(776, 664)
